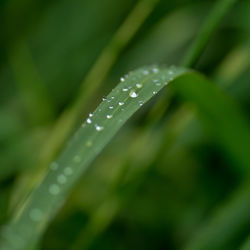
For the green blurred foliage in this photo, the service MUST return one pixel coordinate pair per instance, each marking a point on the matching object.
(154, 187)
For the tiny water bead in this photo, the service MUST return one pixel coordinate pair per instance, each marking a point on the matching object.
(155, 70)
(90, 114)
(109, 116)
(36, 214)
(98, 127)
(120, 103)
(133, 94)
(61, 179)
(77, 159)
(138, 85)
(68, 171)
(104, 98)
(125, 89)
(89, 121)
(122, 79)
(54, 189)
(111, 107)
(154, 92)
(54, 166)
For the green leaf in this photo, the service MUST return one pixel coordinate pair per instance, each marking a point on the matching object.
(133, 91)
(225, 120)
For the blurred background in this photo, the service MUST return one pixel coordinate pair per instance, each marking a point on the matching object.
(163, 182)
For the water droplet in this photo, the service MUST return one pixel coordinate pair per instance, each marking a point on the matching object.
(170, 72)
(122, 79)
(154, 92)
(125, 89)
(77, 159)
(133, 94)
(141, 103)
(61, 179)
(99, 128)
(54, 189)
(109, 116)
(138, 85)
(89, 121)
(36, 214)
(68, 171)
(111, 107)
(158, 84)
(155, 70)
(112, 97)
(104, 98)
(90, 114)
(121, 103)
(54, 166)
(145, 72)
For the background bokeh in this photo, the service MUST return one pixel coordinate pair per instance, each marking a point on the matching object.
(155, 186)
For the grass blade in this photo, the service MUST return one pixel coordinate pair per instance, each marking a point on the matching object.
(133, 91)
(219, 11)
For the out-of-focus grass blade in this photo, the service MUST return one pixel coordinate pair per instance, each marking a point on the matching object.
(133, 91)
(211, 24)
(230, 132)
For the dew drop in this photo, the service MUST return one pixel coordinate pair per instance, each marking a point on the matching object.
(36, 214)
(145, 72)
(141, 103)
(77, 159)
(104, 98)
(99, 128)
(109, 116)
(133, 94)
(125, 89)
(54, 166)
(154, 92)
(89, 121)
(54, 189)
(138, 85)
(155, 70)
(90, 114)
(121, 103)
(61, 179)
(89, 143)
(122, 79)
(68, 171)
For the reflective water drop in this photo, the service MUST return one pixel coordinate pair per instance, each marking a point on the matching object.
(104, 98)
(61, 179)
(145, 72)
(125, 89)
(133, 94)
(154, 92)
(155, 70)
(54, 166)
(90, 114)
(122, 79)
(121, 103)
(89, 143)
(99, 128)
(77, 159)
(138, 85)
(36, 214)
(89, 121)
(68, 171)
(109, 116)
(141, 103)
(54, 189)
(111, 107)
